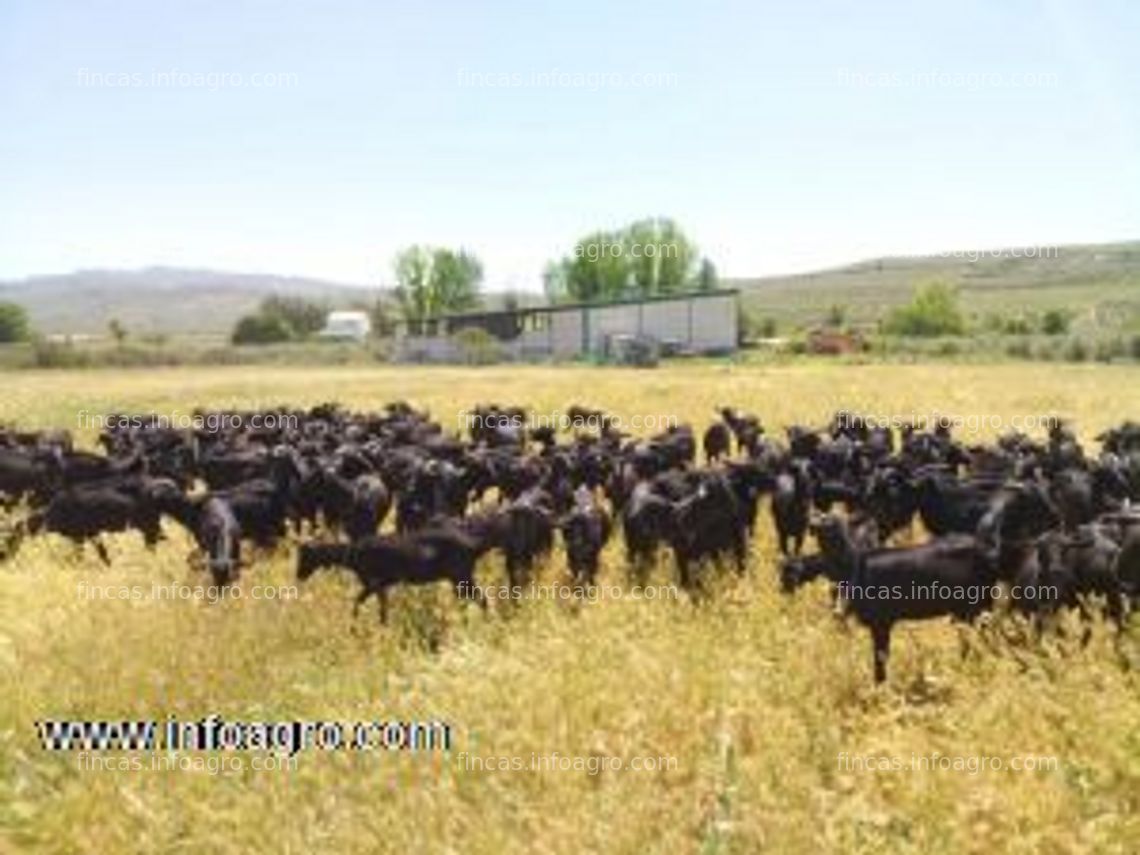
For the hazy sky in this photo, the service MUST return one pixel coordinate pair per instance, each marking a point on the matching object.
(316, 138)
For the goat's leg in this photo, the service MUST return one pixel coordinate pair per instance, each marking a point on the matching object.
(101, 550)
(1116, 607)
(881, 639)
(1086, 619)
(740, 554)
(360, 598)
(468, 583)
(684, 573)
(383, 597)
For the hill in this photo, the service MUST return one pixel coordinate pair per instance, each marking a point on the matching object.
(1100, 282)
(161, 299)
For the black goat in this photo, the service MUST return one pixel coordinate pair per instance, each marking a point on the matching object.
(947, 577)
(717, 441)
(791, 506)
(84, 514)
(382, 561)
(585, 529)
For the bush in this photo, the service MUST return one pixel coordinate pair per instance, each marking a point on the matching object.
(57, 354)
(301, 317)
(933, 312)
(1017, 326)
(477, 346)
(1076, 351)
(261, 329)
(797, 347)
(1055, 322)
(1135, 347)
(1107, 351)
(1019, 349)
(14, 324)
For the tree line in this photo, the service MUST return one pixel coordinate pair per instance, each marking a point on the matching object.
(647, 258)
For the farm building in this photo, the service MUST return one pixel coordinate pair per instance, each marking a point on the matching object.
(691, 323)
(346, 326)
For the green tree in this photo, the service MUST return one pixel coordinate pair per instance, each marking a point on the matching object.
(14, 324)
(597, 271)
(836, 315)
(118, 332)
(661, 258)
(261, 329)
(933, 311)
(383, 316)
(455, 280)
(706, 276)
(436, 280)
(649, 257)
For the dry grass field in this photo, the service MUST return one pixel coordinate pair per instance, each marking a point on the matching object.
(748, 702)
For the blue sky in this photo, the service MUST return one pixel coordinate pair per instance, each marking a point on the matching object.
(782, 136)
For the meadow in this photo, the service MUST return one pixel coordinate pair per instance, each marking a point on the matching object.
(752, 705)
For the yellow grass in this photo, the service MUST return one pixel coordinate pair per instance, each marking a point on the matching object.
(754, 695)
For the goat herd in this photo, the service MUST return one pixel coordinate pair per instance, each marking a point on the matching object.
(1045, 520)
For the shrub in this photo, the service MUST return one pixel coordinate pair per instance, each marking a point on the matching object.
(1019, 349)
(57, 354)
(1076, 351)
(1017, 326)
(261, 329)
(14, 324)
(932, 312)
(1135, 347)
(301, 317)
(1114, 348)
(1055, 322)
(477, 346)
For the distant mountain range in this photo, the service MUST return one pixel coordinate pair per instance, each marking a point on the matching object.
(162, 299)
(1099, 281)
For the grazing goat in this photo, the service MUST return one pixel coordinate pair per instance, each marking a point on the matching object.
(947, 577)
(382, 561)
